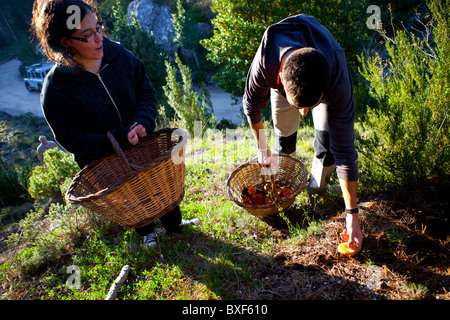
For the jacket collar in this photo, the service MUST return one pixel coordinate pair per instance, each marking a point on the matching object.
(110, 50)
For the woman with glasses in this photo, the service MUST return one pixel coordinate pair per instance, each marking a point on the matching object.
(96, 86)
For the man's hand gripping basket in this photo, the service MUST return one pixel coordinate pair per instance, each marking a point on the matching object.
(137, 186)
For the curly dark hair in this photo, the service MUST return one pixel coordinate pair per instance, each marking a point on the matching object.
(306, 76)
(50, 23)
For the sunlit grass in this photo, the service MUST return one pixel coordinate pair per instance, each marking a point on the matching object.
(219, 259)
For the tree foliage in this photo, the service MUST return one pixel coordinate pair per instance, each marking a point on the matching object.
(405, 136)
(239, 26)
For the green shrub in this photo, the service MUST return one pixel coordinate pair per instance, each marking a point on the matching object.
(179, 20)
(43, 239)
(12, 192)
(47, 180)
(185, 101)
(405, 138)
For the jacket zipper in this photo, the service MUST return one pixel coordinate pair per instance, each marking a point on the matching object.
(107, 91)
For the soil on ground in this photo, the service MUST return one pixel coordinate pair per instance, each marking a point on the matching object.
(405, 254)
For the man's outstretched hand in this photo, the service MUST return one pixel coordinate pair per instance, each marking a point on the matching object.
(352, 235)
(266, 159)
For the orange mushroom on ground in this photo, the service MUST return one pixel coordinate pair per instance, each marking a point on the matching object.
(344, 236)
(344, 248)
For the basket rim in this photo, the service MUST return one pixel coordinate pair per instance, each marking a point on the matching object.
(265, 206)
(154, 162)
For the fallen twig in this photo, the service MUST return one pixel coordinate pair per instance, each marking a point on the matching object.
(118, 283)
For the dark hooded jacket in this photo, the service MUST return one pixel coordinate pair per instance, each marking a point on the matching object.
(303, 31)
(81, 107)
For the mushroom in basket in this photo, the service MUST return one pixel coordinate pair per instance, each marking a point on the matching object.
(262, 194)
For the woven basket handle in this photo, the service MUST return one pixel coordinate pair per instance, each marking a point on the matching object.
(120, 153)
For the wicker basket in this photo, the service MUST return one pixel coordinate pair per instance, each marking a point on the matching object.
(291, 172)
(138, 186)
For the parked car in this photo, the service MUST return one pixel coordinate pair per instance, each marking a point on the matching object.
(35, 75)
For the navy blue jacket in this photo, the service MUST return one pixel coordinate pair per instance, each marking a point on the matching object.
(81, 107)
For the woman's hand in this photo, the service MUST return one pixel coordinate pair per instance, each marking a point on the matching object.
(136, 132)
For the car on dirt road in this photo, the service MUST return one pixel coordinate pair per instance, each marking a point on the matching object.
(35, 75)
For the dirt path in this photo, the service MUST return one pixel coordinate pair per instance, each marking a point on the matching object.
(15, 99)
(224, 107)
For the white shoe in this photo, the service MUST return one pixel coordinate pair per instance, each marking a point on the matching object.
(319, 177)
(150, 240)
(191, 222)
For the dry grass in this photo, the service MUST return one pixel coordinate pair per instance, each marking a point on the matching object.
(405, 255)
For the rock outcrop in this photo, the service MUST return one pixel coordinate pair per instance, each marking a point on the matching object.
(154, 18)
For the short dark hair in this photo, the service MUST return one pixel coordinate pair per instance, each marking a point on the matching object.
(49, 24)
(306, 76)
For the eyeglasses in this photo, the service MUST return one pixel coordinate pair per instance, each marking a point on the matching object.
(89, 37)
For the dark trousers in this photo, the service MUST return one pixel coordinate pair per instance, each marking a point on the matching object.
(321, 146)
(286, 144)
(170, 221)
